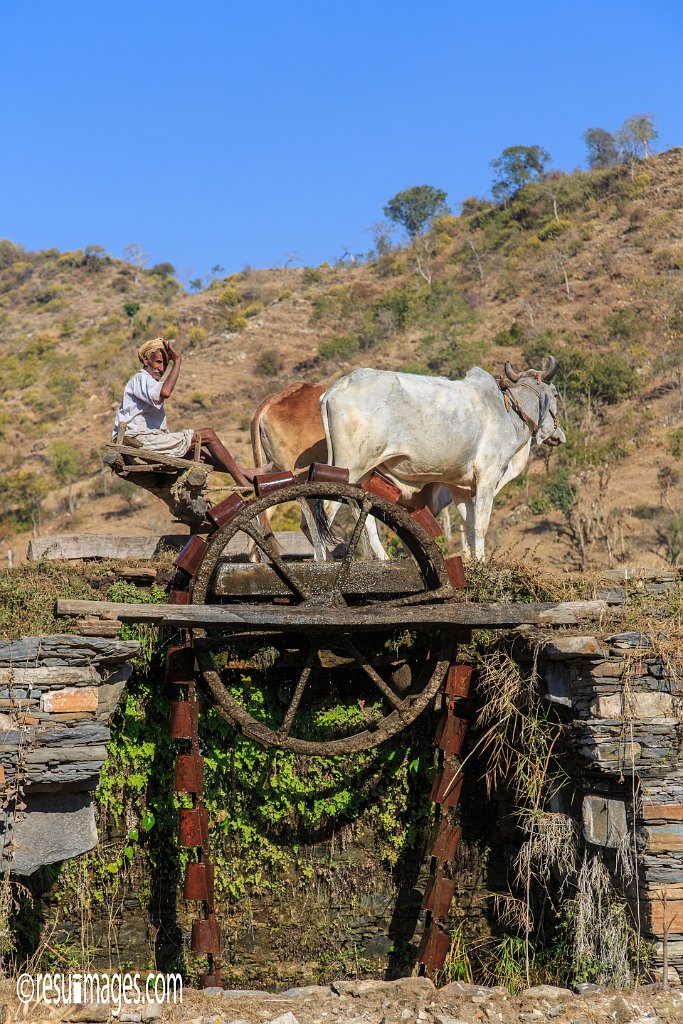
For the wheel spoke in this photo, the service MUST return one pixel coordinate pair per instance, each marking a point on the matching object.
(279, 564)
(358, 528)
(392, 697)
(283, 731)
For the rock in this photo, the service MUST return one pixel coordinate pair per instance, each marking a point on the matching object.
(307, 991)
(239, 993)
(462, 988)
(403, 987)
(530, 1016)
(619, 1011)
(95, 1012)
(445, 1018)
(555, 1010)
(56, 826)
(639, 706)
(411, 986)
(587, 988)
(604, 821)
(546, 992)
(406, 1014)
(132, 1017)
(150, 1011)
(561, 647)
(71, 698)
(285, 1018)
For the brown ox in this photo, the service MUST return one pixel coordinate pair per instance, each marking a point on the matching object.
(287, 429)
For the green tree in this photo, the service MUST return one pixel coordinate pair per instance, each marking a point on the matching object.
(163, 269)
(23, 493)
(602, 148)
(416, 207)
(65, 460)
(516, 167)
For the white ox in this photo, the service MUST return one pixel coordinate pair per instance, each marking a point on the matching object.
(470, 436)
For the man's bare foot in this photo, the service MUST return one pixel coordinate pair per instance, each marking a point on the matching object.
(258, 471)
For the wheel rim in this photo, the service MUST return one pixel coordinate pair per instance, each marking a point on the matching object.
(396, 705)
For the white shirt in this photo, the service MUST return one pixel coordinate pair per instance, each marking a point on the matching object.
(142, 407)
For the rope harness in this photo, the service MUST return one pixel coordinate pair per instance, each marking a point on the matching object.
(511, 402)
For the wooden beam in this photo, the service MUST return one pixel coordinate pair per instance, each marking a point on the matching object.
(305, 617)
(234, 579)
(70, 546)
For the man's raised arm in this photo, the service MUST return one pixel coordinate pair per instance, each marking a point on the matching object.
(172, 379)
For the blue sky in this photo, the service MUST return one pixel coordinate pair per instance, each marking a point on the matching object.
(221, 133)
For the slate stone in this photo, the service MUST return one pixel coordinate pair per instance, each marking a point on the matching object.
(55, 826)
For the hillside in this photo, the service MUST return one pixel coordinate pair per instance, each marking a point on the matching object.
(588, 266)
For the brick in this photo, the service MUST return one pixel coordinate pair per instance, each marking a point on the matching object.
(70, 699)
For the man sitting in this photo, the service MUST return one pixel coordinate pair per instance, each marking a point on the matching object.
(142, 412)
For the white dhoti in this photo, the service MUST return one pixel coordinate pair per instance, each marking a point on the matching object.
(165, 442)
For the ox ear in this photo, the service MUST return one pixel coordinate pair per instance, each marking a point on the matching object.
(510, 373)
(550, 369)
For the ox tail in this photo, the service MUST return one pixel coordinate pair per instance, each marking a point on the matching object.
(256, 441)
(319, 513)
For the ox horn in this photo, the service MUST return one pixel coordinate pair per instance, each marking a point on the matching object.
(550, 369)
(509, 372)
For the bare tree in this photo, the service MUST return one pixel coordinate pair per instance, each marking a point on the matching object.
(382, 232)
(136, 254)
(477, 256)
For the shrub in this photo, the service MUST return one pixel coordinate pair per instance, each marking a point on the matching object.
(9, 252)
(196, 336)
(675, 442)
(553, 229)
(201, 399)
(229, 297)
(339, 346)
(286, 293)
(669, 259)
(312, 275)
(252, 309)
(131, 308)
(268, 364)
(584, 374)
(237, 322)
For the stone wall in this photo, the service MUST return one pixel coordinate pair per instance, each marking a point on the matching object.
(620, 697)
(56, 696)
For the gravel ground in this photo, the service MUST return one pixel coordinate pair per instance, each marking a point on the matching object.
(407, 1001)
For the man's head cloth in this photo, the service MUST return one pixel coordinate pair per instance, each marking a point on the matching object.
(148, 348)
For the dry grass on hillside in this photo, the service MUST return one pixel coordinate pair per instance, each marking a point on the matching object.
(600, 285)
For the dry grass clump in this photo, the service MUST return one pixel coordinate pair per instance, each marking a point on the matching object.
(28, 592)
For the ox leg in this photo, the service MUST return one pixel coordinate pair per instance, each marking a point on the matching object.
(372, 538)
(465, 512)
(483, 506)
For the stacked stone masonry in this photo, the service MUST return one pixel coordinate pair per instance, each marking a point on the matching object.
(57, 694)
(624, 731)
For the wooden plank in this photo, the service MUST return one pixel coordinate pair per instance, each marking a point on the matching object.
(381, 616)
(150, 456)
(254, 580)
(74, 545)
